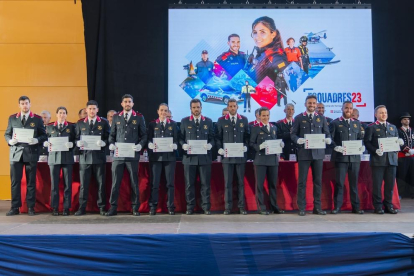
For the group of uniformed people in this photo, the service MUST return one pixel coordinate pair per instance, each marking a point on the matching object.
(128, 126)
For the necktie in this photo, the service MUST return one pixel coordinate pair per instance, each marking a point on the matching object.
(310, 117)
(197, 123)
(24, 120)
(60, 126)
(91, 124)
(162, 126)
(232, 121)
(126, 117)
(290, 123)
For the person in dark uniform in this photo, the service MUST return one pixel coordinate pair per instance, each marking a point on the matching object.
(251, 152)
(270, 57)
(61, 161)
(204, 68)
(128, 126)
(24, 154)
(310, 122)
(162, 128)
(346, 129)
(197, 127)
(304, 51)
(233, 60)
(383, 164)
(266, 165)
(82, 114)
(283, 132)
(247, 91)
(46, 120)
(92, 161)
(281, 88)
(405, 171)
(233, 128)
(321, 111)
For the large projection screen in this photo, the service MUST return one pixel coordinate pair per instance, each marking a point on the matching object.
(340, 57)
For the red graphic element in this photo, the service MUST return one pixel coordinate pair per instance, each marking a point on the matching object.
(266, 94)
(219, 71)
(361, 105)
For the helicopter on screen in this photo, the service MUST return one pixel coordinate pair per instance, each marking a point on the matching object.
(314, 38)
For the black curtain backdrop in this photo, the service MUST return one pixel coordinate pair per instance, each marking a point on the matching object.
(127, 52)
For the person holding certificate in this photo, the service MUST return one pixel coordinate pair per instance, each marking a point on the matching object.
(232, 140)
(346, 141)
(283, 132)
(163, 139)
(25, 132)
(128, 136)
(266, 164)
(91, 137)
(197, 139)
(383, 159)
(60, 146)
(310, 152)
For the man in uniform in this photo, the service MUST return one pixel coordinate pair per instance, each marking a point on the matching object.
(197, 127)
(162, 128)
(246, 92)
(225, 111)
(128, 126)
(383, 164)
(110, 116)
(204, 68)
(405, 171)
(304, 51)
(233, 128)
(251, 153)
(321, 111)
(233, 60)
(92, 161)
(283, 132)
(266, 165)
(346, 129)
(310, 122)
(82, 114)
(46, 120)
(24, 154)
(281, 88)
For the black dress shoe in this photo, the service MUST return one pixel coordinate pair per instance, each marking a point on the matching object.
(302, 213)
(102, 211)
(112, 212)
(265, 213)
(278, 211)
(226, 212)
(358, 211)
(189, 212)
(335, 211)
(13, 211)
(379, 211)
(31, 212)
(55, 212)
(80, 212)
(391, 210)
(65, 212)
(152, 212)
(243, 212)
(136, 213)
(171, 212)
(319, 212)
(207, 212)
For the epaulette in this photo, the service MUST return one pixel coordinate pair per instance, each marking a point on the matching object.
(81, 120)
(14, 115)
(49, 124)
(371, 124)
(139, 114)
(37, 116)
(279, 121)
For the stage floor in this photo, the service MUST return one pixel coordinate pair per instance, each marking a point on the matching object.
(91, 224)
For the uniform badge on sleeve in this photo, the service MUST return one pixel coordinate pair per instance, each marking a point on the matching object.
(281, 65)
(391, 128)
(205, 127)
(99, 127)
(32, 125)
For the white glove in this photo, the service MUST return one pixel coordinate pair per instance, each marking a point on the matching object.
(137, 147)
(151, 146)
(282, 145)
(244, 149)
(13, 142)
(301, 141)
(46, 144)
(362, 149)
(262, 145)
(379, 152)
(112, 147)
(208, 146)
(221, 151)
(339, 149)
(33, 141)
(400, 141)
(328, 141)
(411, 151)
(69, 145)
(173, 146)
(101, 143)
(185, 147)
(80, 143)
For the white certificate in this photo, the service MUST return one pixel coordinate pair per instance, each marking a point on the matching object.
(196, 147)
(22, 135)
(389, 144)
(352, 147)
(124, 150)
(273, 147)
(315, 141)
(163, 144)
(233, 150)
(91, 142)
(58, 144)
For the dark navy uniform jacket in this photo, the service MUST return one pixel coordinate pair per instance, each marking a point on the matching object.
(372, 133)
(408, 137)
(204, 70)
(232, 62)
(283, 132)
(68, 130)
(340, 132)
(155, 131)
(259, 134)
(30, 153)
